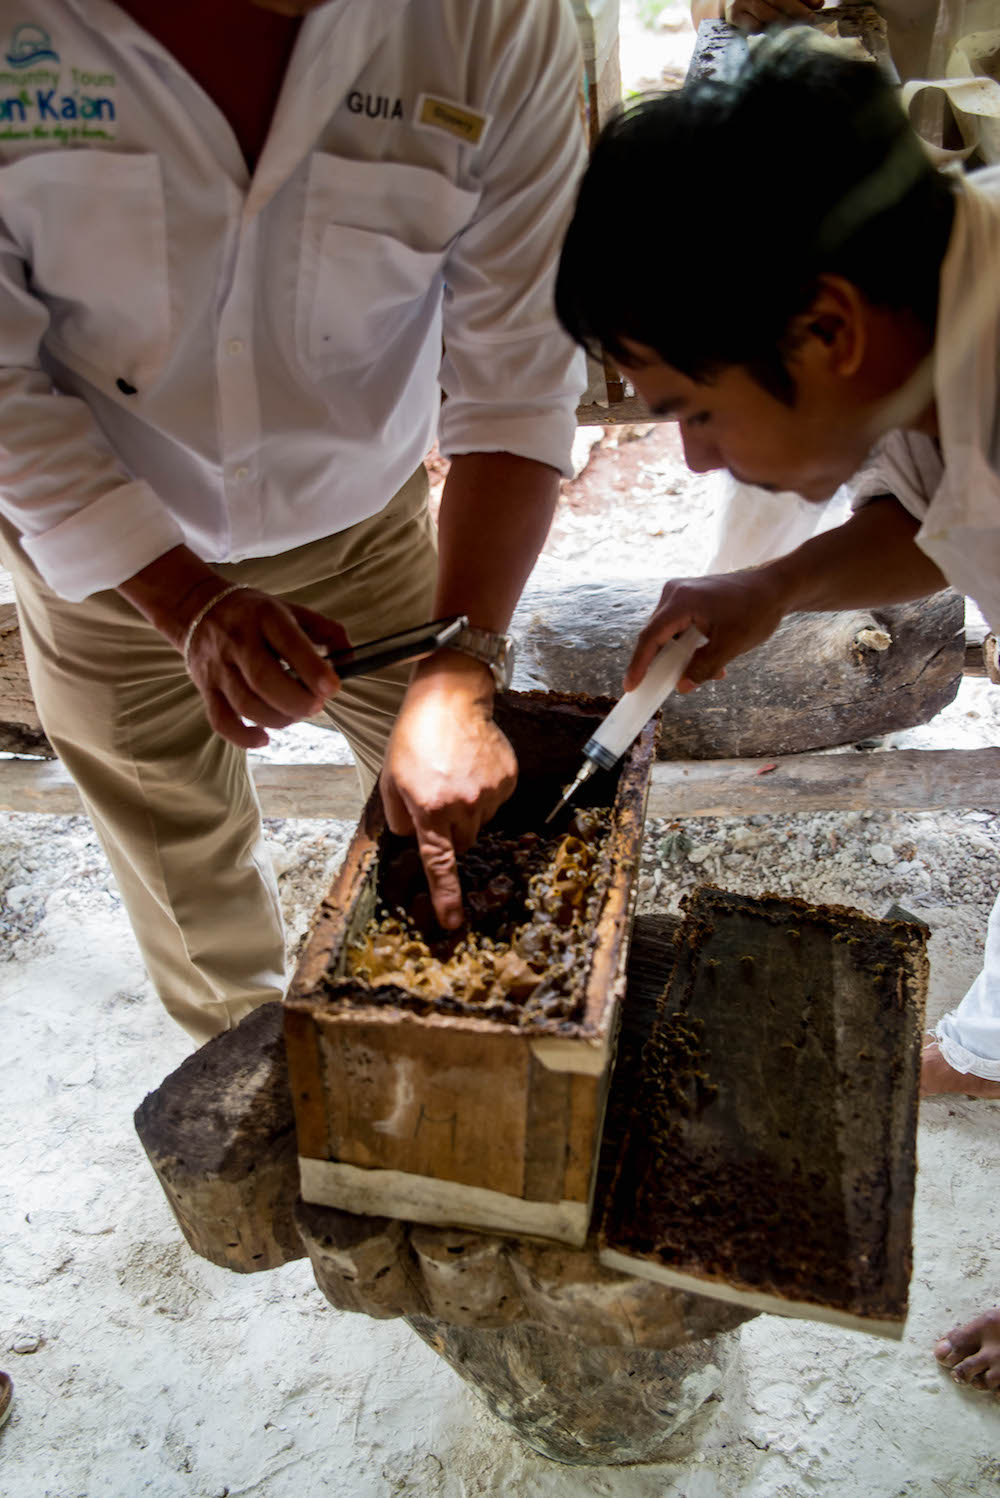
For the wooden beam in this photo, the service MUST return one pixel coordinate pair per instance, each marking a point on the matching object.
(891, 780)
(903, 779)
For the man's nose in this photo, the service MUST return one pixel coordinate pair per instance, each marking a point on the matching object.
(700, 453)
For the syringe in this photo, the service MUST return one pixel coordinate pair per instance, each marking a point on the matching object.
(633, 711)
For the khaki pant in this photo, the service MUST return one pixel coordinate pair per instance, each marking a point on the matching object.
(172, 802)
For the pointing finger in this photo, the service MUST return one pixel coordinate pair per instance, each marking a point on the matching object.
(437, 853)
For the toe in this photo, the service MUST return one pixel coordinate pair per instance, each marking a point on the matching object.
(963, 1341)
(967, 1371)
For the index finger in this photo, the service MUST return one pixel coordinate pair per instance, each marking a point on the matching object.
(437, 854)
(309, 670)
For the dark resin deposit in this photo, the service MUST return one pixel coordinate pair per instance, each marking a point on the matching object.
(531, 903)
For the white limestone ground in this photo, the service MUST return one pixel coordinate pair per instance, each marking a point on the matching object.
(142, 1370)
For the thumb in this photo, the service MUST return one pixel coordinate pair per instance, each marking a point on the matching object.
(397, 813)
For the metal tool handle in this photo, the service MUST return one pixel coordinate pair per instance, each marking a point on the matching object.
(390, 650)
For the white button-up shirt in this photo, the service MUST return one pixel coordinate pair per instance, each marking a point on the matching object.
(953, 486)
(191, 354)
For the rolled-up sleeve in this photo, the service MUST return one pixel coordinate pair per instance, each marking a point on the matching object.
(84, 521)
(511, 375)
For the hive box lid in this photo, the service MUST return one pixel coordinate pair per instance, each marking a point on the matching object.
(769, 1156)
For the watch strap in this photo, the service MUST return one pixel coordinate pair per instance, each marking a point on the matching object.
(495, 651)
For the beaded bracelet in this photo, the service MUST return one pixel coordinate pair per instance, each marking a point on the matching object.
(204, 611)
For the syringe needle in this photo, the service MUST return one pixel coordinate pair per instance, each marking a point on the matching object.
(586, 770)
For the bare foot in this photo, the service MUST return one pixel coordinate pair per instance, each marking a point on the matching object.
(972, 1352)
(937, 1076)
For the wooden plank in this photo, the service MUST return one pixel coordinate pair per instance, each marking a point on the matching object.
(630, 410)
(895, 780)
(890, 780)
(774, 1161)
(404, 1097)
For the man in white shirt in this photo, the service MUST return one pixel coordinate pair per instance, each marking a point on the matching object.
(233, 238)
(925, 39)
(874, 324)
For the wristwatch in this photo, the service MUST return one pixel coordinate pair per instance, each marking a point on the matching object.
(495, 651)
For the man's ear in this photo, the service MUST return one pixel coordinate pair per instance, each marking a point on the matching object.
(837, 321)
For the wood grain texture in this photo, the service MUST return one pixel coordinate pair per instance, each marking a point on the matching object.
(220, 1135)
(425, 1102)
(772, 1145)
(904, 779)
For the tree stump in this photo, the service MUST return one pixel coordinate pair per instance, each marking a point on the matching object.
(588, 1361)
(580, 1404)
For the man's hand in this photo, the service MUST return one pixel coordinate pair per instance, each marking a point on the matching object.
(447, 770)
(237, 649)
(871, 559)
(236, 656)
(734, 610)
(752, 15)
(755, 15)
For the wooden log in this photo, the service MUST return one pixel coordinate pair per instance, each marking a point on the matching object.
(822, 679)
(361, 1263)
(721, 49)
(20, 730)
(897, 780)
(586, 1405)
(220, 1135)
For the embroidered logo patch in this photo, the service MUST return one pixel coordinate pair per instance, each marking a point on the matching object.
(30, 45)
(442, 114)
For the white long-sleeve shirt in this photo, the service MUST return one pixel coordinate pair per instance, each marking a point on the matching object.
(191, 354)
(953, 486)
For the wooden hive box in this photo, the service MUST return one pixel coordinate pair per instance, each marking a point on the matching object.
(406, 1111)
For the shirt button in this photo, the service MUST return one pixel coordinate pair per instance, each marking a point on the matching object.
(242, 472)
(236, 345)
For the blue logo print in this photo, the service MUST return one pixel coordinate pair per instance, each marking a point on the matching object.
(28, 45)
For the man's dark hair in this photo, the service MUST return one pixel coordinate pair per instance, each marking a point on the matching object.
(707, 215)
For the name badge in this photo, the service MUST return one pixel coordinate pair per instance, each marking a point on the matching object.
(455, 119)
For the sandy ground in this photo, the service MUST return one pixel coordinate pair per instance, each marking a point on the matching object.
(142, 1370)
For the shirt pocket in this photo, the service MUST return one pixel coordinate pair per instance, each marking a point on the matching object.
(91, 226)
(375, 238)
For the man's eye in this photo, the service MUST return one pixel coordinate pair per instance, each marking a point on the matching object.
(699, 418)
